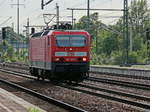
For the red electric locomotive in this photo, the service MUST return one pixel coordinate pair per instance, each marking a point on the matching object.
(60, 54)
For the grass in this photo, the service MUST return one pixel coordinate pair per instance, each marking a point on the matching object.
(34, 110)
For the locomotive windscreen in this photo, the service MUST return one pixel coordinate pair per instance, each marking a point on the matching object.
(70, 41)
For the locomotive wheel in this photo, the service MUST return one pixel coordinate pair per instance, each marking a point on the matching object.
(39, 74)
(42, 78)
(72, 83)
(38, 77)
(34, 72)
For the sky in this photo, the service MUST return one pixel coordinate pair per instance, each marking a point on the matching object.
(32, 9)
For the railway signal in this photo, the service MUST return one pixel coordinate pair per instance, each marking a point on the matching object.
(32, 30)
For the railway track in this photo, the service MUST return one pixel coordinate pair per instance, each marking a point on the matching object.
(120, 83)
(127, 72)
(103, 80)
(44, 97)
(123, 96)
(105, 70)
(109, 97)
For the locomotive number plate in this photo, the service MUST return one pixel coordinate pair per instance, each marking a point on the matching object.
(70, 53)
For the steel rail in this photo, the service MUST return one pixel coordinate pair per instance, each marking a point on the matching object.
(100, 89)
(44, 97)
(112, 74)
(18, 67)
(121, 83)
(123, 75)
(108, 81)
(133, 103)
(18, 73)
(102, 80)
(144, 106)
(139, 97)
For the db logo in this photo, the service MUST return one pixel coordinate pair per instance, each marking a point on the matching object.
(70, 53)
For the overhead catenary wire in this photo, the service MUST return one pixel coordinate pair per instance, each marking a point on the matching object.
(6, 21)
(62, 9)
(82, 3)
(108, 17)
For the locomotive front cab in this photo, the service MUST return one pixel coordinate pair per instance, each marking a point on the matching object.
(71, 54)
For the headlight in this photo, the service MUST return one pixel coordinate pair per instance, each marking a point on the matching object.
(84, 59)
(57, 59)
(61, 59)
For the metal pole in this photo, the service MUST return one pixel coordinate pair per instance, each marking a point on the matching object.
(17, 42)
(148, 44)
(57, 13)
(88, 9)
(74, 22)
(131, 41)
(148, 54)
(27, 34)
(13, 26)
(96, 39)
(96, 33)
(27, 28)
(72, 19)
(88, 13)
(18, 17)
(125, 53)
(123, 48)
(18, 26)
(127, 32)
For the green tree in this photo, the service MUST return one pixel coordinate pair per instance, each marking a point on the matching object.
(110, 44)
(139, 16)
(110, 37)
(94, 24)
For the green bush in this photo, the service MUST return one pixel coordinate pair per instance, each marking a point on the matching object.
(132, 59)
(117, 59)
(33, 110)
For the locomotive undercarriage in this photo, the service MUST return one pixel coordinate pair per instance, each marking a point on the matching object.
(62, 72)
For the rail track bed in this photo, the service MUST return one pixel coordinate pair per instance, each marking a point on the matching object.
(117, 95)
(33, 100)
(59, 105)
(128, 84)
(89, 101)
(141, 80)
(125, 96)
